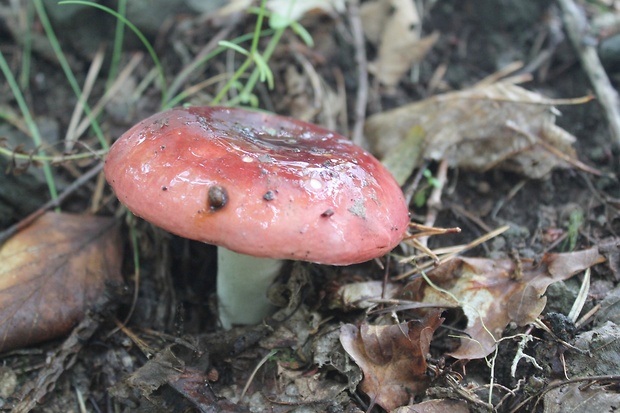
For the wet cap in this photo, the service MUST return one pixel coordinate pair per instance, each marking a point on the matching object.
(258, 184)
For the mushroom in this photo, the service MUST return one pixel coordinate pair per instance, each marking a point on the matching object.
(264, 188)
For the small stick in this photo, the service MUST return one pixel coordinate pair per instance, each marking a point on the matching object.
(450, 255)
(575, 25)
(362, 74)
(78, 110)
(434, 200)
(208, 48)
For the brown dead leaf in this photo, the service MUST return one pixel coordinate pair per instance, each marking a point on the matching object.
(359, 295)
(436, 406)
(304, 388)
(52, 272)
(393, 358)
(579, 397)
(165, 367)
(374, 15)
(183, 369)
(192, 384)
(392, 24)
(493, 293)
(489, 125)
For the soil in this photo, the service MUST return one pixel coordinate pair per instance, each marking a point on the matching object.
(171, 356)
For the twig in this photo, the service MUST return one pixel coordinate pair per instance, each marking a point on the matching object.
(587, 316)
(361, 98)
(434, 200)
(580, 300)
(459, 210)
(53, 203)
(258, 366)
(78, 110)
(198, 60)
(111, 93)
(574, 23)
(453, 253)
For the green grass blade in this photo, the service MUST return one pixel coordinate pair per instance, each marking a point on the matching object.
(24, 75)
(259, 26)
(49, 32)
(303, 34)
(138, 33)
(254, 77)
(264, 72)
(119, 36)
(176, 84)
(233, 46)
(34, 130)
(235, 77)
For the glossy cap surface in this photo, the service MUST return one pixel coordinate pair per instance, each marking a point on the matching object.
(258, 184)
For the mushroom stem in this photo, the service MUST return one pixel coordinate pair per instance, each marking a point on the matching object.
(242, 284)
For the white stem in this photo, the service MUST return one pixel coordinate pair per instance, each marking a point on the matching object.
(242, 283)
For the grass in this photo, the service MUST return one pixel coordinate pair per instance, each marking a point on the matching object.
(254, 69)
(575, 222)
(137, 32)
(119, 36)
(24, 74)
(62, 60)
(32, 126)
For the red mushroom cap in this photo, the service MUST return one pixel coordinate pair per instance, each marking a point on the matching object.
(258, 184)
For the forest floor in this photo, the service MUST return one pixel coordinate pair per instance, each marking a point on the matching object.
(483, 111)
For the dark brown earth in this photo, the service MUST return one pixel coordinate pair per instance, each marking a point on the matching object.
(170, 355)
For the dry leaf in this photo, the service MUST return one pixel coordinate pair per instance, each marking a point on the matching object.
(328, 351)
(165, 367)
(183, 369)
(304, 388)
(295, 10)
(494, 293)
(491, 125)
(52, 272)
(374, 15)
(579, 397)
(393, 358)
(405, 156)
(601, 352)
(435, 406)
(358, 295)
(393, 24)
(287, 10)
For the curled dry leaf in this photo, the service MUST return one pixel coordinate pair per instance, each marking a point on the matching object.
(285, 10)
(494, 293)
(435, 406)
(392, 25)
(305, 388)
(584, 396)
(359, 295)
(185, 372)
(392, 357)
(490, 125)
(293, 11)
(52, 272)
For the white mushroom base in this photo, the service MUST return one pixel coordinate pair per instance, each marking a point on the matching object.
(242, 284)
